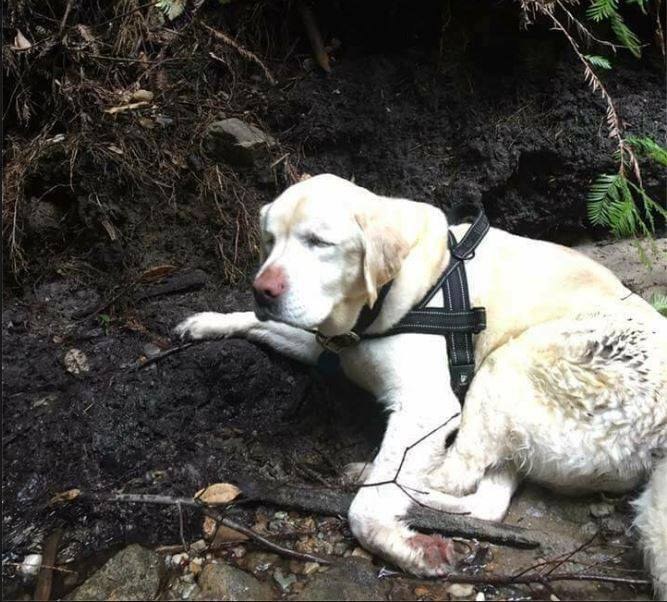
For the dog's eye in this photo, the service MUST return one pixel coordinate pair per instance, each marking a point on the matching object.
(268, 241)
(315, 241)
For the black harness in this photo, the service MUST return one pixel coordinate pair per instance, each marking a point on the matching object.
(456, 321)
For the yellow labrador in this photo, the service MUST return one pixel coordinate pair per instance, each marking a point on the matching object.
(572, 369)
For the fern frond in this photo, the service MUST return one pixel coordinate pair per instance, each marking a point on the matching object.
(598, 61)
(649, 148)
(599, 10)
(625, 35)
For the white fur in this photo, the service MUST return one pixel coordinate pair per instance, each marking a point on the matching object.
(572, 368)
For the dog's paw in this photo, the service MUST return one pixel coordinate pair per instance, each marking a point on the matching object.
(209, 325)
(356, 473)
(434, 555)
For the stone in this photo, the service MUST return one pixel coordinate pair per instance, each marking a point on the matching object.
(224, 582)
(601, 509)
(234, 141)
(612, 525)
(351, 579)
(460, 590)
(134, 573)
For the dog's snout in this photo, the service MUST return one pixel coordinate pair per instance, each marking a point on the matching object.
(269, 285)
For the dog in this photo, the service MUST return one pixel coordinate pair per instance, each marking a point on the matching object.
(571, 382)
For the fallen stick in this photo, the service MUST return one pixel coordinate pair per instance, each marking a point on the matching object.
(208, 510)
(332, 503)
(45, 578)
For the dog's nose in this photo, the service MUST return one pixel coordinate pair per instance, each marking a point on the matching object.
(269, 285)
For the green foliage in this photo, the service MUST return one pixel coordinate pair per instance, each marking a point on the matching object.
(599, 10)
(105, 322)
(617, 203)
(607, 10)
(598, 61)
(646, 147)
(659, 302)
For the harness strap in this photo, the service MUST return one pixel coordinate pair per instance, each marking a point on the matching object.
(456, 321)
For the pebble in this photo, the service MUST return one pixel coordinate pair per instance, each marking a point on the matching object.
(310, 567)
(31, 565)
(361, 553)
(600, 509)
(460, 590)
(422, 592)
(151, 350)
(480, 597)
(284, 581)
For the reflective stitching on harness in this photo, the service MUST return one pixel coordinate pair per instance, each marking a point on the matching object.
(451, 336)
(463, 296)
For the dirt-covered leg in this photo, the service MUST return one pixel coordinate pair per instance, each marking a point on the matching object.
(377, 510)
(292, 342)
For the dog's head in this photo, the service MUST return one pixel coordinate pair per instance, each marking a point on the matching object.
(328, 247)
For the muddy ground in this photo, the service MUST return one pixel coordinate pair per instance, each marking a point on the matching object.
(482, 114)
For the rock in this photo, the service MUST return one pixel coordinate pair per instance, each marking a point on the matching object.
(259, 562)
(351, 579)
(601, 509)
(233, 141)
(284, 581)
(30, 565)
(589, 529)
(134, 573)
(224, 582)
(613, 525)
(460, 590)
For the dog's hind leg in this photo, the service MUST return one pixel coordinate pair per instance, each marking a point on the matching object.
(292, 342)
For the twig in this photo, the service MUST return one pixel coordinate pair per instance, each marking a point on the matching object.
(160, 356)
(269, 545)
(404, 488)
(313, 33)
(208, 510)
(336, 503)
(45, 579)
(493, 579)
(223, 37)
(68, 8)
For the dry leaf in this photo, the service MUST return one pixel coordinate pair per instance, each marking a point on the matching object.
(65, 496)
(157, 272)
(21, 42)
(225, 535)
(219, 493)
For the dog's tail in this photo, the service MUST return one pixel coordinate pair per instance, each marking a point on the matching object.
(651, 522)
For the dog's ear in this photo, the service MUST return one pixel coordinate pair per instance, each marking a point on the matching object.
(263, 215)
(385, 247)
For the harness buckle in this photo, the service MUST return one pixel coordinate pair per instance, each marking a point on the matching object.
(338, 342)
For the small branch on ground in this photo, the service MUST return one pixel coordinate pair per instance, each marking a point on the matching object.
(330, 502)
(208, 510)
(45, 578)
(531, 578)
(313, 33)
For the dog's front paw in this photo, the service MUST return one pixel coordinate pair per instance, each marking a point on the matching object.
(434, 556)
(210, 325)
